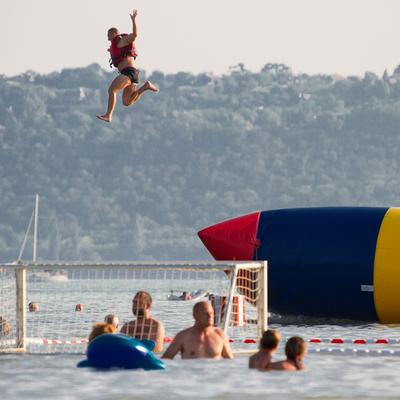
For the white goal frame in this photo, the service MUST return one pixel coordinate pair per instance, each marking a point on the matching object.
(21, 268)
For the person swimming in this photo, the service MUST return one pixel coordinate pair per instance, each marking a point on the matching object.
(101, 328)
(33, 307)
(5, 327)
(186, 296)
(112, 319)
(268, 345)
(295, 350)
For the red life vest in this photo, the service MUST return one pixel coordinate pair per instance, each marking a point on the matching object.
(118, 54)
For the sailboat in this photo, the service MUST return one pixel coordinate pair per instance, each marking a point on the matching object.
(39, 276)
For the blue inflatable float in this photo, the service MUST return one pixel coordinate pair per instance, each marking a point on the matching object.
(121, 351)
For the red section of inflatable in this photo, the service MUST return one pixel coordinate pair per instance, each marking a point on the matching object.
(234, 239)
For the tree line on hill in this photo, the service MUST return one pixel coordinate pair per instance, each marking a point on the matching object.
(206, 148)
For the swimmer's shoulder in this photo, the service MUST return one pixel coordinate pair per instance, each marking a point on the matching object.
(185, 332)
(156, 321)
(127, 326)
(220, 332)
(281, 366)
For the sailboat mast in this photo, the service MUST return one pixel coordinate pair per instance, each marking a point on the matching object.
(35, 227)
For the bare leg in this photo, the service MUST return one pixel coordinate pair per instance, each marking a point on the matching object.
(131, 95)
(118, 84)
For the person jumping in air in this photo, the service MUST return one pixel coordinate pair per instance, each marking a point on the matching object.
(123, 54)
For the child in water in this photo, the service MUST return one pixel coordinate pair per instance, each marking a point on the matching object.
(268, 344)
(101, 329)
(295, 349)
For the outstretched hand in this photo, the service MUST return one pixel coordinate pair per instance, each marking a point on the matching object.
(134, 14)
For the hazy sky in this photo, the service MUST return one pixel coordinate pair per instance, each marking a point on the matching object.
(328, 36)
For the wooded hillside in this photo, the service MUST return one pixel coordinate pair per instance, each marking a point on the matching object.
(205, 148)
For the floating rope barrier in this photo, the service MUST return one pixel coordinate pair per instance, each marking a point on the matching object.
(351, 351)
(39, 342)
(335, 341)
(354, 341)
(56, 341)
(168, 339)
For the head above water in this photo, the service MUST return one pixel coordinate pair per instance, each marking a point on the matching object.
(141, 303)
(112, 33)
(101, 329)
(295, 349)
(270, 340)
(112, 319)
(5, 328)
(203, 314)
(33, 307)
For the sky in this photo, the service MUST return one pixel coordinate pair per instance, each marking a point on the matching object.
(347, 37)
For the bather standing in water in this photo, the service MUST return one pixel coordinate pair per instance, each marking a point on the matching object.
(203, 339)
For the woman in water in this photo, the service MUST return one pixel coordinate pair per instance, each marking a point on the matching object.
(295, 349)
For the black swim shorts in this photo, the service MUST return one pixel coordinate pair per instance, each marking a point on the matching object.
(131, 73)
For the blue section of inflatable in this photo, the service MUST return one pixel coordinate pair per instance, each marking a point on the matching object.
(121, 351)
(318, 258)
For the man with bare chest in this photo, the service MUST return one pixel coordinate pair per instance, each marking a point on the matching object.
(144, 327)
(203, 339)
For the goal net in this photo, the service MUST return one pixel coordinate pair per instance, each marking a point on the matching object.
(50, 307)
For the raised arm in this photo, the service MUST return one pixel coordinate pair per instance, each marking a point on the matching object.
(125, 40)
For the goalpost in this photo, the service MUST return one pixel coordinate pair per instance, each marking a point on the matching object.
(50, 307)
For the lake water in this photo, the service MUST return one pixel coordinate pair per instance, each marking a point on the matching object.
(328, 375)
(358, 375)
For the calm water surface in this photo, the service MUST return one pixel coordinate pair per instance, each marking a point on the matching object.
(328, 376)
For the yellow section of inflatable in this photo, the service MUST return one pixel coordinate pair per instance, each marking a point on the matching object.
(387, 269)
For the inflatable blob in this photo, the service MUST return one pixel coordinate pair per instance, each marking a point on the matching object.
(333, 262)
(121, 351)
